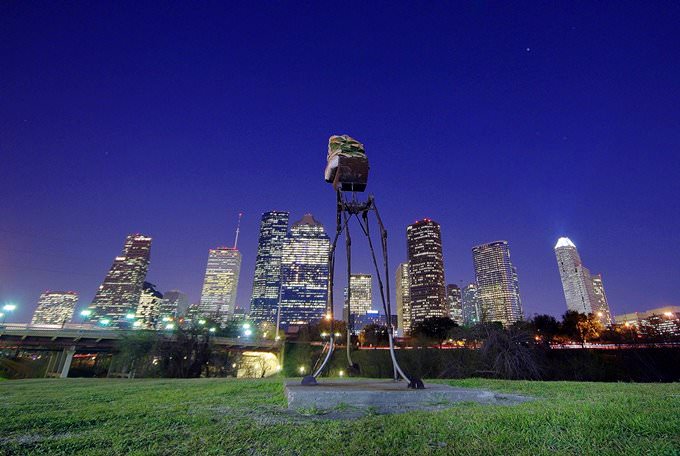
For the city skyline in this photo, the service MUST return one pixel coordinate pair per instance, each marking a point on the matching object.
(596, 288)
(485, 107)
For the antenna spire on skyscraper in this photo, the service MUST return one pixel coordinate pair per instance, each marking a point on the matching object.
(238, 228)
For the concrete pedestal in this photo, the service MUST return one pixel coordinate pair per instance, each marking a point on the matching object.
(387, 396)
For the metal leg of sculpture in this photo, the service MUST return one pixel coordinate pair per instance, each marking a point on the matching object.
(311, 379)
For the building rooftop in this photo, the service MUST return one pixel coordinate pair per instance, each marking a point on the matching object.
(308, 219)
(564, 242)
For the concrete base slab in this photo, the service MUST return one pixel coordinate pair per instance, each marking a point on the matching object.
(387, 396)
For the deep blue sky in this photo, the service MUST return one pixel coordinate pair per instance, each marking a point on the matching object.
(509, 120)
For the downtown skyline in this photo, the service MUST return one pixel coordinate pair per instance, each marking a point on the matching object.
(338, 288)
(515, 124)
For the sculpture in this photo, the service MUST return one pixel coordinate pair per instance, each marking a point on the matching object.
(347, 169)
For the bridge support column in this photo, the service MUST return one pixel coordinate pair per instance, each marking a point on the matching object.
(50, 364)
(68, 357)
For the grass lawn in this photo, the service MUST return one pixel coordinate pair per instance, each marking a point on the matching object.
(227, 416)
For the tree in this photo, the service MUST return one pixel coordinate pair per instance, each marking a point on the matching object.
(508, 354)
(581, 327)
(545, 327)
(374, 335)
(182, 354)
(313, 331)
(434, 328)
(589, 328)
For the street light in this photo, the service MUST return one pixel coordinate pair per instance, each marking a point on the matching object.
(201, 322)
(130, 316)
(212, 330)
(170, 326)
(9, 308)
(104, 321)
(247, 333)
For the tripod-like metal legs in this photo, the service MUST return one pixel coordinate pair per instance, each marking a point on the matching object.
(345, 211)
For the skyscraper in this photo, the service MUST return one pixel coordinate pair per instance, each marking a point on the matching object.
(497, 283)
(472, 309)
(267, 281)
(55, 308)
(119, 295)
(218, 297)
(148, 314)
(454, 303)
(403, 286)
(426, 270)
(174, 304)
(304, 272)
(583, 292)
(360, 298)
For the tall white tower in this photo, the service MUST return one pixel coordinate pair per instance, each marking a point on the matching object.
(583, 292)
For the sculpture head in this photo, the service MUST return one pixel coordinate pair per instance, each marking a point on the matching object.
(347, 164)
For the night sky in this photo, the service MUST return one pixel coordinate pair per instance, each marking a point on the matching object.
(508, 120)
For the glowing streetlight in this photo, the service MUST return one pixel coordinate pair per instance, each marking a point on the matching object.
(137, 324)
(170, 326)
(85, 313)
(130, 316)
(201, 322)
(247, 332)
(341, 373)
(323, 334)
(329, 316)
(104, 321)
(212, 330)
(246, 325)
(337, 334)
(302, 369)
(166, 319)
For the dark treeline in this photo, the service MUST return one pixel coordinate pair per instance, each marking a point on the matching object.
(628, 365)
(438, 348)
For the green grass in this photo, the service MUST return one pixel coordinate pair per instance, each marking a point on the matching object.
(242, 417)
